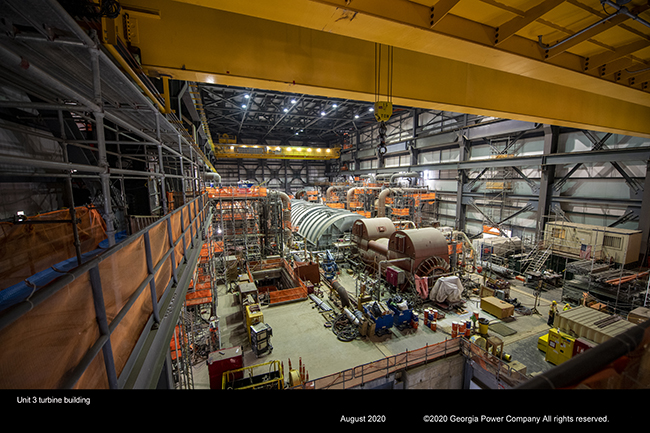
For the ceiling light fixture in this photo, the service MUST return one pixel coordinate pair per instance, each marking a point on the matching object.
(322, 113)
(293, 101)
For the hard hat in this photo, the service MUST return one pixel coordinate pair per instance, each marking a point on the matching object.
(554, 303)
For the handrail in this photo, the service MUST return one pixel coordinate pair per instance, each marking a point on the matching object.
(362, 374)
(199, 207)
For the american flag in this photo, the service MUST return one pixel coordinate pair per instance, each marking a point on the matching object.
(585, 251)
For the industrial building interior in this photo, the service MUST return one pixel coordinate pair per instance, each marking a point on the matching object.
(325, 194)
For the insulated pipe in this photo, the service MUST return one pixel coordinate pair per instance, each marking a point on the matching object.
(328, 193)
(381, 200)
(412, 175)
(212, 175)
(286, 213)
(351, 191)
(343, 294)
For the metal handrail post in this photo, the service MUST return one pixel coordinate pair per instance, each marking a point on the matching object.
(152, 283)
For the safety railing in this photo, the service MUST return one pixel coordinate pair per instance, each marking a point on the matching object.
(362, 374)
(108, 322)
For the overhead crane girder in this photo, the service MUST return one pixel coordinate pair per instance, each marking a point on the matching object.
(326, 48)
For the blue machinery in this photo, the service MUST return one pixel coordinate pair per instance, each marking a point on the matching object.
(394, 312)
(329, 266)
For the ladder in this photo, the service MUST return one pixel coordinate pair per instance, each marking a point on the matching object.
(537, 259)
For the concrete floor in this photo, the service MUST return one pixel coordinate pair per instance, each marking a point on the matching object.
(299, 333)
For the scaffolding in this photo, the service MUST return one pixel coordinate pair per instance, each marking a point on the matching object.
(113, 126)
(239, 211)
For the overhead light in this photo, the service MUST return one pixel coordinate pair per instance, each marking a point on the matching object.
(335, 105)
(286, 109)
(232, 147)
(309, 149)
(293, 101)
(328, 151)
(319, 150)
(243, 105)
(322, 113)
(288, 149)
(371, 109)
(278, 148)
(255, 147)
(246, 96)
(356, 116)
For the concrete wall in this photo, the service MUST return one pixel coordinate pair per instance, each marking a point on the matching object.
(446, 373)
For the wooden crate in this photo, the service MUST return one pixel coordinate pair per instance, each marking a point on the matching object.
(496, 307)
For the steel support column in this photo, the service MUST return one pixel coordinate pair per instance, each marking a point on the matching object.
(644, 221)
(461, 210)
(551, 134)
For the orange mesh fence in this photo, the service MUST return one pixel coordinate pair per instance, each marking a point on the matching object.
(26, 249)
(42, 347)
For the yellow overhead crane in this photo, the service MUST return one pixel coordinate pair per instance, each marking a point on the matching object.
(446, 55)
(275, 152)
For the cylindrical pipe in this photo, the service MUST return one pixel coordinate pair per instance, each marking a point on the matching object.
(381, 201)
(209, 175)
(286, 214)
(412, 175)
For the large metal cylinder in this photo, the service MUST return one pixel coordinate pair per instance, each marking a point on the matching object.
(320, 225)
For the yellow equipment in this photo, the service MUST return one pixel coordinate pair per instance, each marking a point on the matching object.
(254, 316)
(269, 375)
(560, 347)
(383, 110)
(542, 343)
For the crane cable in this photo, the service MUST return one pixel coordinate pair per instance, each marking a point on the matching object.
(383, 109)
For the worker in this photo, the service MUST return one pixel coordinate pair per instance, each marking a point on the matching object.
(567, 307)
(551, 313)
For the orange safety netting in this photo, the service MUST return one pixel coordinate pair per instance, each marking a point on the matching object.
(44, 345)
(26, 249)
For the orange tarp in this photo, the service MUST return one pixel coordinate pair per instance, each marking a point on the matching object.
(26, 249)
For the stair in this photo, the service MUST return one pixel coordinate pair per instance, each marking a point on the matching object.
(537, 259)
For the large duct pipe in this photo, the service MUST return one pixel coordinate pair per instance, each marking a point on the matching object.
(351, 191)
(343, 294)
(286, 214)
(412, 175)
(381, 200)
(212, 175)
(331, 189)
